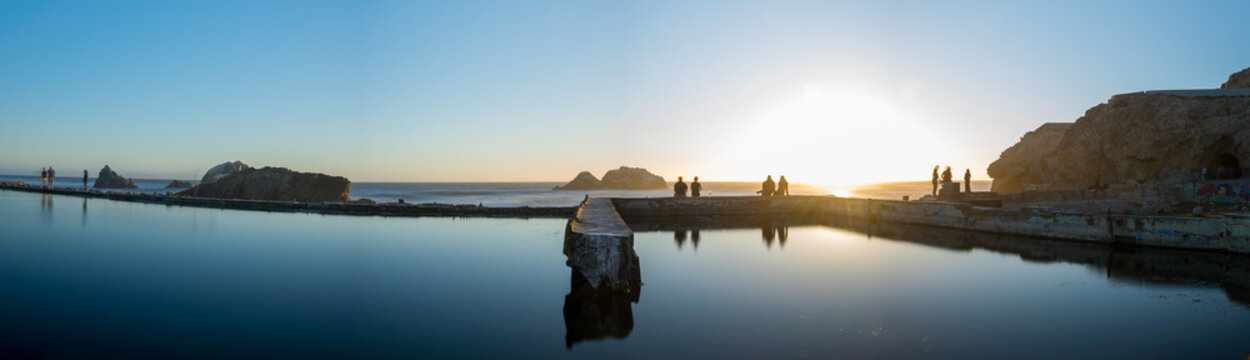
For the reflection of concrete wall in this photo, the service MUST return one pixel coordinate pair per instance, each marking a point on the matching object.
(1163, 231)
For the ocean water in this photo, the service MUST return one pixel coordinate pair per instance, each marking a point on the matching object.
(540, 193)
(92, 278)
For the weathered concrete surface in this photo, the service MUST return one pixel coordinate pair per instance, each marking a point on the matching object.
(600, 247)
(1217, 234)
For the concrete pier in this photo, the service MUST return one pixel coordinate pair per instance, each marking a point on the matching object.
(600, 247)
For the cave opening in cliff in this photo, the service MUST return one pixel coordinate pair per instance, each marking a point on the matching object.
(1227, 166)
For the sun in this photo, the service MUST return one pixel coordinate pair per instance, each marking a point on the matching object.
(836, 137)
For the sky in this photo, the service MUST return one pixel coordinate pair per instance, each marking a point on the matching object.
(822, 92)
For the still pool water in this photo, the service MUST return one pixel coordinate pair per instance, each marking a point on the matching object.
(96, 278)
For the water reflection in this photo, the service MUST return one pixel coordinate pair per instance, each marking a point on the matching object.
(593, 314)
(84, 212)
(45, 209)
(1128, 265)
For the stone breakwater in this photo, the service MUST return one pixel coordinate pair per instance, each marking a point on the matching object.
(389, 209)
(1228, 234)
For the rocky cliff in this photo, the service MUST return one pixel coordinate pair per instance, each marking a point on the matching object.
(109, 179)
(223, 170)
(1153, 137)
(1241, 79)
(623, 178)
(274, 183)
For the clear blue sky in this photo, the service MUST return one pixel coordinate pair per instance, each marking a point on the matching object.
(509, 90)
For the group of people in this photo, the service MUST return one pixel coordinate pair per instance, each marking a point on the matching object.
(679, 189)
(770, 188)
(946, 177)
(780, 188)
(48, 175)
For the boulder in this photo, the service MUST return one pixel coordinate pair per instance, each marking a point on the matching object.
(627, 178)
(1239, 80)
(109, 179)
(275, 183)
(1145, 138)
(178, 184)
(584, 181)
(623, 178)
(223, 170)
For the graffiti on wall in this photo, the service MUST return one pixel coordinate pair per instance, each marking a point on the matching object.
(1224, 193)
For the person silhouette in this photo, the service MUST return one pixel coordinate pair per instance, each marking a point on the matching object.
(783, 187)
(935, 178)
(679, 189)
(43, 176)
(768, 187)
(695, 187)
(51, 177)
(84, 180)
(967, 180)
(946, 175)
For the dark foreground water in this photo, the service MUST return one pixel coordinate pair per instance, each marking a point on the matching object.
(97, 278)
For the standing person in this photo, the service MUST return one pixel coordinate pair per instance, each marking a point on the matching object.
(935, 178)
(695, 187)
(43, 176)
(968, 180)
(783, 187)
(51, 177)
(84, 180)
(679, 189)
(768, 187)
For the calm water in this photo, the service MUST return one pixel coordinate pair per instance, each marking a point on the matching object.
(99, 278)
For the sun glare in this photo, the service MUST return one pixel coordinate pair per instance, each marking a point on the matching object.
(836, 137)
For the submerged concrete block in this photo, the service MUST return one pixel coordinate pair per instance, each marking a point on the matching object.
(600, 247)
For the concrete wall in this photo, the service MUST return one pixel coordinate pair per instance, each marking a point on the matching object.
(1229, 234)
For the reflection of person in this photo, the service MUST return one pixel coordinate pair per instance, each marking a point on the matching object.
(935, 179)
(695, 187)
(783, 187)
(768, 187)
(679, 236)
(679, 189)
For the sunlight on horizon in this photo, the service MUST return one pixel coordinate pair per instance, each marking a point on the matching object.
(837, 137)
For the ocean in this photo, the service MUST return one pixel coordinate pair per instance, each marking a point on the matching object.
(541, 193)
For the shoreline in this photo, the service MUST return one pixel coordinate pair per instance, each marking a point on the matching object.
(388, 209)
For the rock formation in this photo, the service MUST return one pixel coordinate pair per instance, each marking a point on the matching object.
(109, 179)
(623, 178)
(274, 183)
(1241, 79)
(584, 181)
(627, 178)
(178, 184)
(223, 170)
(1153, 137)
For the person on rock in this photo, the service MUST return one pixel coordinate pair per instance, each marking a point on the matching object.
(43, 176)
(84, 180)
(695, 187)
(679, 189)
(768, 187)
(51, 177)
(946, 175)
(783, 187)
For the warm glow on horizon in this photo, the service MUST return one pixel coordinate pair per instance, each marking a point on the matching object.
(837, 136)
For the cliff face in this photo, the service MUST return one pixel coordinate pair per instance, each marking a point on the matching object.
(278, 184)
(223, 170)
(1154, 137)
(1239, 80)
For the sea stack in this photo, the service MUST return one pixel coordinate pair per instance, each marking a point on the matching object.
(623, 178)
(276, 184)
(223, 170)
(109, 179)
